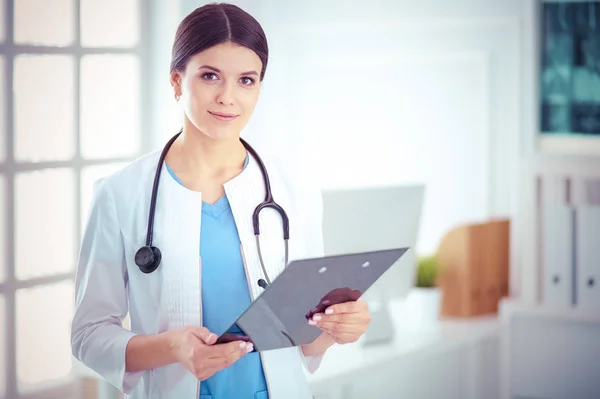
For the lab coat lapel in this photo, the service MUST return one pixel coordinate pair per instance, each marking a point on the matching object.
(177, 230)
(245, 193)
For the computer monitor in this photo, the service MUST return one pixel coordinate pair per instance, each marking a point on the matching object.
(371, 219)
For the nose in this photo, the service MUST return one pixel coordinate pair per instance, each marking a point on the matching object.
(225, 95)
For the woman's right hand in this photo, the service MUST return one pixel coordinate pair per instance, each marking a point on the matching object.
(195, 349)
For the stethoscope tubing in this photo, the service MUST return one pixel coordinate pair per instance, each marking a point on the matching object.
(151, 257)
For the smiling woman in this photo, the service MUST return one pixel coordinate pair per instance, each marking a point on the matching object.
(208, 203)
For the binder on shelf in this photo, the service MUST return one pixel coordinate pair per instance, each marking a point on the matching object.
(587, 236)
(557, 255)
(556, 241)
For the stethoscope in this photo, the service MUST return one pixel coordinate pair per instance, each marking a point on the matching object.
(148, 257)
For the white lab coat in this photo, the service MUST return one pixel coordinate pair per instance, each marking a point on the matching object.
(109, 284)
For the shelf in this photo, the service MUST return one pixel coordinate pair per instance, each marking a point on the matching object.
(509, 308)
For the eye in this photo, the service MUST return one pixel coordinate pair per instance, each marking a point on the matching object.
(247, 81)
(209, 76)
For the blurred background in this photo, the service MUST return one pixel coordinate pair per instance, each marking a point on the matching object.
(493, 106)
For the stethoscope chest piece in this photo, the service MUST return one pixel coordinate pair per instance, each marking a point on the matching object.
(148, 259)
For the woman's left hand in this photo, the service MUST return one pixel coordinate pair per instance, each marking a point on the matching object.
(345, 322)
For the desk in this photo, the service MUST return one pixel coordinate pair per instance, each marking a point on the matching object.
(450, 358)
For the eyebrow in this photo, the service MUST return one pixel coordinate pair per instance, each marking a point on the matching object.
(219, 71)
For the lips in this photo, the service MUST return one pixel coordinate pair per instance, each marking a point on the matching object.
(222, 116)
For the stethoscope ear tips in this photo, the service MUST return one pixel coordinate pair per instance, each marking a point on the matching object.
(148, 259)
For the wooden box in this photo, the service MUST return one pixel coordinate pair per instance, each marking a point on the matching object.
(474, 262)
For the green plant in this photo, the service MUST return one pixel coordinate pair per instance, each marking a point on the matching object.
(427, 272)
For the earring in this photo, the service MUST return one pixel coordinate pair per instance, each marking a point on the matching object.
(177, 96)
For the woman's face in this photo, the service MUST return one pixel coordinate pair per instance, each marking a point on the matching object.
(219, 89)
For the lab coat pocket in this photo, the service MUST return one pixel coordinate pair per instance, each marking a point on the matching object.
(262, 395)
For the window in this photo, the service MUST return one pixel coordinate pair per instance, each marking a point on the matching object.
(70, 112)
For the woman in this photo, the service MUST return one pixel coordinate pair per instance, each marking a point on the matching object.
(180, 296)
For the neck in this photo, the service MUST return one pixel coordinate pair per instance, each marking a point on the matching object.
(201, 155)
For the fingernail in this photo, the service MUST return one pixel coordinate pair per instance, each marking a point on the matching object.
(249, 348)
(329, 311)
(242, 344)
(210, 336)
(316, 318)
(312, 322)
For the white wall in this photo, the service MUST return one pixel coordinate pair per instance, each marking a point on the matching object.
(165, 115)
(390, 92)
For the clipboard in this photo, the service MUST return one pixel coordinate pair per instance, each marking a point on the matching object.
(278, 318)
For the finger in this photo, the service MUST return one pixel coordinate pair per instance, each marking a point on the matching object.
(228, 355)
(346, 318)
(347, 307)
(219, 363)
(346, 338)
(340, 328)
(212, 358)
(229, 349)
(205, 335)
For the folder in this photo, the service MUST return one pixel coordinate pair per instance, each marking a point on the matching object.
(588, 257)
(278, 318)
(557, 241)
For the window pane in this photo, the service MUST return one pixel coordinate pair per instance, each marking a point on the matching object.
(45, 223)
(110, 106)
(2, 24)
(43, 333)
(3, 325)
(3, 224)
(89, 175)
(44, 107)
(43, 22)
(2, 107)
(122, 16)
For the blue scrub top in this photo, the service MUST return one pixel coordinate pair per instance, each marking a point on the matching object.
(225, 295)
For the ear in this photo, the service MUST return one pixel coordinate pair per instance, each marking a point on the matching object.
(175, 80)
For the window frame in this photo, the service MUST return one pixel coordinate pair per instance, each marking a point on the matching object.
(10, 168)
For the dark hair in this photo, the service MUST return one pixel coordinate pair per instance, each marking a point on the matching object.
(214, 24)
